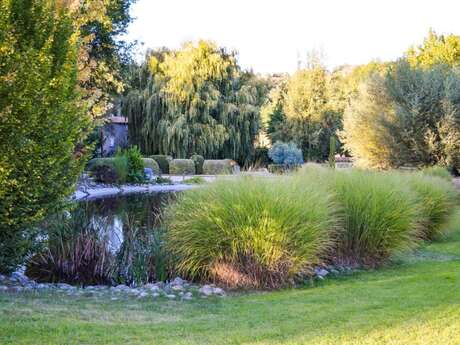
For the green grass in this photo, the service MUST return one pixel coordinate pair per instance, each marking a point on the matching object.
(414, 302)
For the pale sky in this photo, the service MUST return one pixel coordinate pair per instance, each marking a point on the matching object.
(269, 34)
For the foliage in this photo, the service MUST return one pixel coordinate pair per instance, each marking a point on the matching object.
(194, 100)
(301, 110)
(135, 165)
(152, 164)
(104, 173)
(182, 167)
(81, 245)
(410, 116)
(285, 154)
(435, 50)
(218, 167)
(199, 161)
(163, 162)
(76, 251)
(249, 232)
(42, 122)
(103, 54)
(261, 158)
(127, 166)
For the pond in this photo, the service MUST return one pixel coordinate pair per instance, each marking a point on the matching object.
(110, 241)
(120, 216)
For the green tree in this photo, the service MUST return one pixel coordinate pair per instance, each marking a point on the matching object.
(194, 100)
(410, 116)
(436, 49)
(299, 110)
(42, 122)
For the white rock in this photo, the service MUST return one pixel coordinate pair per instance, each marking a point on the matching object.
(171, 296)
(178, 281)
(218, 291)
(206, 290)
(321, 272)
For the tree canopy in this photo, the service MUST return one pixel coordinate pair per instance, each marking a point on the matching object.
(194, 100)
(411, 116)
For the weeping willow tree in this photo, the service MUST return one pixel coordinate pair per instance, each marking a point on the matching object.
(194, 100)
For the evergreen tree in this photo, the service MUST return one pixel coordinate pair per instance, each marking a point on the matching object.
(41, 120)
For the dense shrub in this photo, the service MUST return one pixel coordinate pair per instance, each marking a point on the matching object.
(217, 167)
(410, 116)
(152, 164)
(181, 167)
(248, 232)
(163, 162)
(261, 158)
(199, 161)
(127, 166)
(108, 170)
(104, 173)
(42, 119)
(135, 164)
(286, 154)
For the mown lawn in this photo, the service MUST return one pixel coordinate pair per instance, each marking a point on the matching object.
(416, 301)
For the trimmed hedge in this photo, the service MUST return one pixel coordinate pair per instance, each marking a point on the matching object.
(199, 161)
(163, 162)
(182, 167)
(217, 167)
(152, 164)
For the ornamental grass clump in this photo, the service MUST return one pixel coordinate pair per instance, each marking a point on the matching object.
(381, 217)
(249, 232)
(437, 199)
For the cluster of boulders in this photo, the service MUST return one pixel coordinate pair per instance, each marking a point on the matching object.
(177, 289)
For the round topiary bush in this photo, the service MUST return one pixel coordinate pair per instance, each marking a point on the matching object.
(152, 164)
(249, 232)
(182, 167)
(218, 167)
(199, 161)
(163, 162)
